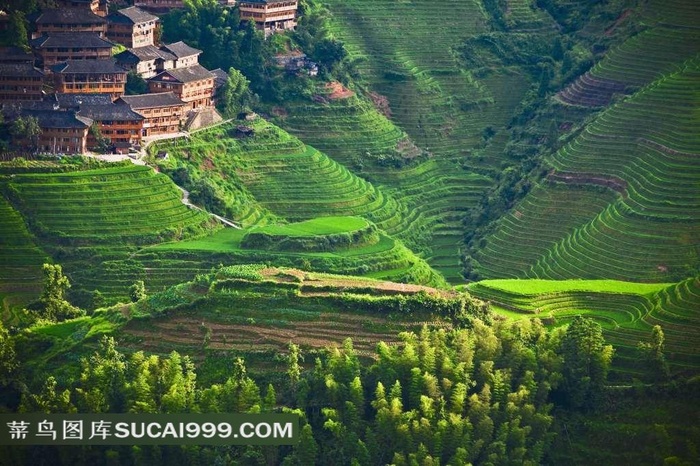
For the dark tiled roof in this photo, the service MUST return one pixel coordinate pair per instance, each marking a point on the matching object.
(265, 2)
(15, 55)
(131, 15)
(76, 100)
(220, 77)
(46, 104)
(88, 67)
(109, 112)
(162, 99)
(19, 70)
(180, 49)
(146, 53)
(58, 119)
(71, 39)
(70, 16)
(186, 75)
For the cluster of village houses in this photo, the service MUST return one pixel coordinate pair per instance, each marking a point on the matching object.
(71, 81)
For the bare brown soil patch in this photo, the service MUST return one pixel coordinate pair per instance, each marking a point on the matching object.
(207, 164)
(341, 283)
(331, 329)
(279, 112)
(618, 21)
(408, 149)
(337, 91)
(612, 182)
(381, 103)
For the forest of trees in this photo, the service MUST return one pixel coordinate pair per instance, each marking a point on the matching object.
(481, 395)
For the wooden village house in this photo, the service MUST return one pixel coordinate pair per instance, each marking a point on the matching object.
(62, 132)
(163, 113)
(194, 85)
(118, 123)
(270, 16)
(89, 76)
(132, 27)
(99, 7)
(60, 47)
(69, 20)
(20, 82)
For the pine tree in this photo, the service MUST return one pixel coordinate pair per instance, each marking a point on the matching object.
(270, 400)
(8, 359)
(307, 448)
(586, 362)
(55, 306)
(137, 291)
(293, 367)
(103, 380)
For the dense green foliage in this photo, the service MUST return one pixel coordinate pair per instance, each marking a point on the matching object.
(462, 396)
(54, 306)
(628, 312)
(544, 140)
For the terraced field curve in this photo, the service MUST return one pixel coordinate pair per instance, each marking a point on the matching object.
(626, 311)
(634, 174)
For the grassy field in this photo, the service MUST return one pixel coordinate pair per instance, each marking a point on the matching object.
(533, 287)
(315, 227)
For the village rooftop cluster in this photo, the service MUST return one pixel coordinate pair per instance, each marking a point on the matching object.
(72, 80)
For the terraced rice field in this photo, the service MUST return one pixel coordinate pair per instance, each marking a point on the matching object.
(245, 331)
(351, 130)
(20, 261)
(91, 220)
(664, 49)
(429, 106)
(291, 180)
(627, 312)
(644, 149)
(253, 323)
(127, 204)
(387, 259)
(536, 224)
(523, 15)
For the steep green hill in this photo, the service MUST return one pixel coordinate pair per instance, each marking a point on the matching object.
(636, 167)
(122, 204)
(21, 259)
(429, 113)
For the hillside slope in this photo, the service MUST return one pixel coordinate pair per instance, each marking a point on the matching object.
(418, 118)
(636, 167)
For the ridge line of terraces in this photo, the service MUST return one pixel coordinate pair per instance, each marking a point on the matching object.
(666, 149)
(612, 182)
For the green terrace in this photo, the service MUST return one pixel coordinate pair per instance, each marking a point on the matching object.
(254, 311)
(281, 176)
(348, 246)
(627, 311)
(426, 106)
(124, 204)
(622, 202)
(663, 49)
(21, 259)
(536, 224)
